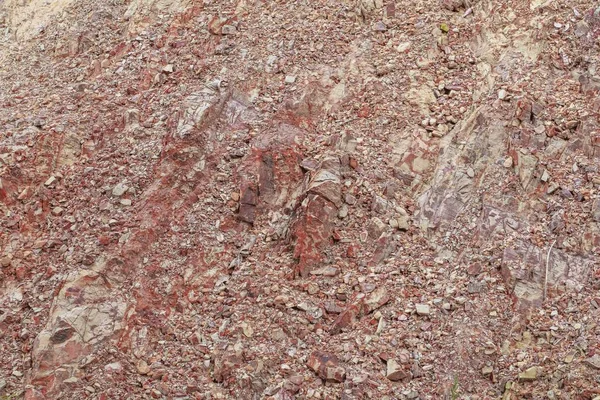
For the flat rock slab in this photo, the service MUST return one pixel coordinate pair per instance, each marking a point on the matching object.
(524, 268)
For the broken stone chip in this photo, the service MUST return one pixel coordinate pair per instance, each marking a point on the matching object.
(50, 181)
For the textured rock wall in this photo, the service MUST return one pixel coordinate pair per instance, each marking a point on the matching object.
(346, 199)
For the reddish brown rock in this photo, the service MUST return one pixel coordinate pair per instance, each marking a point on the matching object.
(225, 366)
(474, 269)
(384, 248)
(312, 233)
(271, 173)
(352, 251)
(524, 110)
(248, 202)
(346, 319)
(326, 366)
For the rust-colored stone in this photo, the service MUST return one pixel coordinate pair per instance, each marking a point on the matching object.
(326, 366)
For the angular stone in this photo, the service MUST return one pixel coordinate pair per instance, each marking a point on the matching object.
(225, 365)
(376, 299)
(581, 28)
(248, 202)
(596, 210)
(228, 30)
(113, 367)
(478, 134)
(403, 222)
(332, 308)
(50, 181)
(525, 167)
(71, 150)
(384, 248)
(396, 372)
(247, 330)
(57, 210)
(119, 189)
(552, 187)
(403, 46)
(530, 374)
(593, 361)
(524, 110)
(379, 204)
(131, 118)
(545, 176)
(326, 366)
(379, 27)
(346, 319)
(376, 227)
(349, 199)
(200, 107)
(312, 233)
(452, 5)
(422, 309)
(312, 288)
(570, 357)
(326, 182)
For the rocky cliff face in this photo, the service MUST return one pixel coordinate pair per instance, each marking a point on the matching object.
(344, 199)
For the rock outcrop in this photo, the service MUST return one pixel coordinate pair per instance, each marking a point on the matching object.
(290, 200)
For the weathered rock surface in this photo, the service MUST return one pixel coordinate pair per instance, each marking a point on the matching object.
(242, 200)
